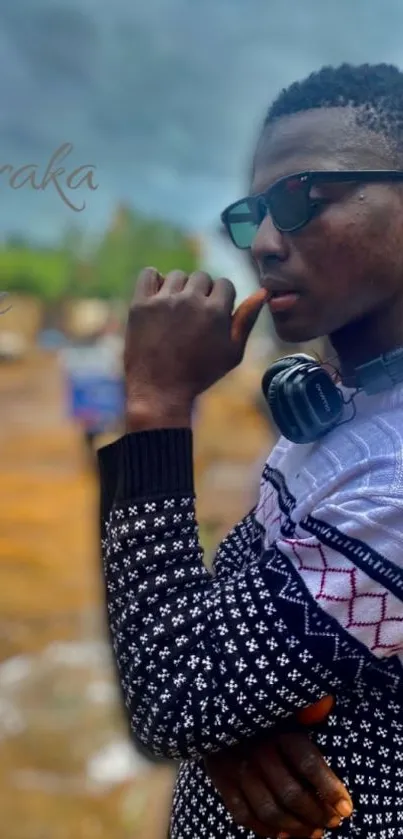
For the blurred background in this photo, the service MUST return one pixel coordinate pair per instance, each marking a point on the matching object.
(162, 102)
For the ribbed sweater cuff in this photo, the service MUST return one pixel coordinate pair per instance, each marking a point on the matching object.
(108, 469)
(155, 463)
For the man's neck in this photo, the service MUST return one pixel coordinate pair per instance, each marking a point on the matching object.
(362, 341)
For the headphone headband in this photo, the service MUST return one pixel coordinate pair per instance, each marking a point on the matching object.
(380, 374)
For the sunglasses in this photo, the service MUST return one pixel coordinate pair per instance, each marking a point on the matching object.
(289, 202)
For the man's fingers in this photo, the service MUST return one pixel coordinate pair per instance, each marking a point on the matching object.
(175, 281)
(224, 294)
(232, 796)
(306, 759)
(246, 316)
(267, 810)
(148, 283)
(200, 282)
(247, 797)
(291, 793)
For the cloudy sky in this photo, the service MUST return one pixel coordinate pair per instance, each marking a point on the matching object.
(163, 96)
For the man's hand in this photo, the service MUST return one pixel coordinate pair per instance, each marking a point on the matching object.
(280, 787)
(181, 338)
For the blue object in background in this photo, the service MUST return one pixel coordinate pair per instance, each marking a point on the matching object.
(52, 339)
(97, 402)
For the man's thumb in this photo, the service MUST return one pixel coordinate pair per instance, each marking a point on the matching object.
(245, 316)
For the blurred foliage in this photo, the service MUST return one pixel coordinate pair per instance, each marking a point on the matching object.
(79, 267)
(33, 271)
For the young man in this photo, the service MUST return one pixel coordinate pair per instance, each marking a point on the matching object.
(306, 599)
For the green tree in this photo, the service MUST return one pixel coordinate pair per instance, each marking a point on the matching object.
(80, 267)
(132, 243)
(40, 272)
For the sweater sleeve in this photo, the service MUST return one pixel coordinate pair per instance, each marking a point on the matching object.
(240, 543)
(206, 661)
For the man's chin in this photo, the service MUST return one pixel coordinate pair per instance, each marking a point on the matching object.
(292, 331)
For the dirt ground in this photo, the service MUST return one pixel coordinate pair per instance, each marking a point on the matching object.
(67, 768)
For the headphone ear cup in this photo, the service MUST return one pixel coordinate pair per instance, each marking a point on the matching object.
(281, 406)
(280, 366)
(304, 401)
(271, 391)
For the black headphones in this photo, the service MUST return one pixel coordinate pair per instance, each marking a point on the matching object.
(306, 403)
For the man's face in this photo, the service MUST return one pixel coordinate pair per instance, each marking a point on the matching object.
(348, 260)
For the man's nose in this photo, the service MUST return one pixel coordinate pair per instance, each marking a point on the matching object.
(269, 243)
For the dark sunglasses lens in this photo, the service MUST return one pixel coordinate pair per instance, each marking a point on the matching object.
(242, 225)
(289, 204)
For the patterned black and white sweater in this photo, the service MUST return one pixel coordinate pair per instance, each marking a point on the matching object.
(305, 600)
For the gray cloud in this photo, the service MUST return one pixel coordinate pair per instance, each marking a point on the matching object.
(165, 96)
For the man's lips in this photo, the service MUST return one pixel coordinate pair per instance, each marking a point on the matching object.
(282, 295)
(283, 302)
(277, 287)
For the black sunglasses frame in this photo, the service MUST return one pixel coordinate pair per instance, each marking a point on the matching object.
(307, 180)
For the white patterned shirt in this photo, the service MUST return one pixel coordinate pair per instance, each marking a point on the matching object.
(306, 599)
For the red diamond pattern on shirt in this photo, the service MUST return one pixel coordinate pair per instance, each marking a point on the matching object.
(344, 592)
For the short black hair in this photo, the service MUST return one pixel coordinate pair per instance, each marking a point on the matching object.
(376, 91)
